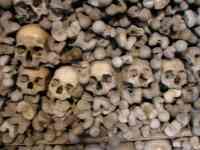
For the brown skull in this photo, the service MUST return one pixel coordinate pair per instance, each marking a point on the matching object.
(31, 81)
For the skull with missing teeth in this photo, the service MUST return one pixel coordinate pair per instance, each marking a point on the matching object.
(173, 73)
(138, 74)
(31, 81)
(64, 82)
(102, 78)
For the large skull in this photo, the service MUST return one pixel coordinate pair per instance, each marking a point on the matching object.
(31, 81)
(64, 82)
(139, 74)
(102, 78)
(173, 73)
(32, 35)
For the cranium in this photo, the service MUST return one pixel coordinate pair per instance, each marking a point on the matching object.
(64, 82)
(102, 78)
(139, 74)
(173, 73)
(32, 35)
(31, 81)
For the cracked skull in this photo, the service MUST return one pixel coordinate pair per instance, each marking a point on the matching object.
(173, 73)
(64, 82)
(102, 78)
(31, 81)
(138, 74)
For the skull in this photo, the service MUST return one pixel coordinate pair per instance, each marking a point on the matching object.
(173, 73)
(64, 82)
(30, 57)
(31, 81)
(102, 78)
(32, 35)
(192, 55)
(139, 74)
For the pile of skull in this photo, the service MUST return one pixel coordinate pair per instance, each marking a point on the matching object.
(107, 71)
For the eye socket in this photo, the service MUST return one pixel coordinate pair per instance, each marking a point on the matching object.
(54, 82)
(21, 50)
(169, 74)
(106, 78)
(24, 78)
(68, 87)
(37, 49)
(134, 73)
(93, 79)
(39, 80)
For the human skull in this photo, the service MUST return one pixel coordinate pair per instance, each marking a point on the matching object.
(32, 35)
(30, 57)
(102, 78)
(173, 73)
(139, 74)
(31, 80)
(64, 82)
(192, 55)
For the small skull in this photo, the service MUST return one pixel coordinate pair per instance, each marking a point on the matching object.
(173, 73)
(139, 74)
(192, 56)
(102, 78)
(32, 35)
(64, 82)
(32, 81)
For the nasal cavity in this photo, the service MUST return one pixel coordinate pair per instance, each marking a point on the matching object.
(98, 86)
(30, 85)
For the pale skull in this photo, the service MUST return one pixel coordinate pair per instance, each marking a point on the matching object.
(192, 56)
(32, 35)
(173, 73)
(102, 78)
(138, 74)
(31, 81)
(64, 82)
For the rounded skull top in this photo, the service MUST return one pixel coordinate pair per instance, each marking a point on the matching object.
(32, 35)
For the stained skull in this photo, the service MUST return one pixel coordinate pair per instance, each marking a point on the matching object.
(31, 80)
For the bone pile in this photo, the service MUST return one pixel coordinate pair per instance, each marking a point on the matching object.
(100, 74)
